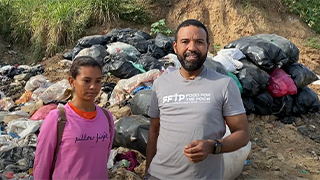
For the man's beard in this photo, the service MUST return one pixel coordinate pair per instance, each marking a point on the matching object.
(191, 65)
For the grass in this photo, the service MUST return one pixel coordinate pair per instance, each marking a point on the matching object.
(313, 42)
(47, 25)
(247, 6)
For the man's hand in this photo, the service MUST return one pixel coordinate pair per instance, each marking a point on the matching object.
(198, 150)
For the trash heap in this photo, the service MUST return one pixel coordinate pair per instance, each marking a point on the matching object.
(273, 81)
(264, 67)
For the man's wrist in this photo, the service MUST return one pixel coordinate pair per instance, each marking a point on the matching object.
(212, 144)
(217, 147)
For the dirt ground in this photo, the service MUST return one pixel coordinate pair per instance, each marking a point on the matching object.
(278, 151)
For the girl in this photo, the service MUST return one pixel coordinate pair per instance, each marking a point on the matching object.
(87, 137)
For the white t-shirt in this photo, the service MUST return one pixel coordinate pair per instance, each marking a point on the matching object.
(191, 110)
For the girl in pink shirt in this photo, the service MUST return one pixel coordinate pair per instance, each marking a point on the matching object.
(87, 140)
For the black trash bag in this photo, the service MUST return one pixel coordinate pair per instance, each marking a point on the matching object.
(35, 70)
(216, 66)
(263, 104)
(89, 41)
(282, 106)
(262, 53)
(305, 101)
(121, 35)
(252, 79)
(148, 62)
(288, 47)
(139, 43)
(107, 87)
(70, 55)
(140, 103)
(155, 51)
(98, 52)
(165, 43)
(301, 75)
(248, 104)
(13, 72)
(9, 159)
(132, 132)
(119, 65)
(143, 34)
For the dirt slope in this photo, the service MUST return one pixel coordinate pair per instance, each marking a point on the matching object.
(230, 20)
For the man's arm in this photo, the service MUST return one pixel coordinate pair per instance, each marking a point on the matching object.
(152, 141)
(239, 136)
(198, 150)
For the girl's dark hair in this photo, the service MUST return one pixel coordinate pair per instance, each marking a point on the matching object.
(82, 61)
(192, 22)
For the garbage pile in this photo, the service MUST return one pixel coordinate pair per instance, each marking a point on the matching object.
(273, 81)
(13, 79)
(264, 67)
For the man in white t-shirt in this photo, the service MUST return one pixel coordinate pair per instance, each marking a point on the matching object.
(189, 109)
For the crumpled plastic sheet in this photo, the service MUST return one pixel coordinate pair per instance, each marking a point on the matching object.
(13, 116)
(16, 162)
(55, 91)
(7, 142)
(127, 86)
(36, 82)
(229, 58)
(23, 127)
(36, 93)
(118, 47)
(6, 103)
(112, 156)
(25, 97)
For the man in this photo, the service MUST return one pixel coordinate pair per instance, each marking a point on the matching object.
(189, 108)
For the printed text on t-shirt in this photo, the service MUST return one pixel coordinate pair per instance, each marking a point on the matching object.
(85, 137)
(192, 98)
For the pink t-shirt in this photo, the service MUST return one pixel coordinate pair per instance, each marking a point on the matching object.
(84, 149)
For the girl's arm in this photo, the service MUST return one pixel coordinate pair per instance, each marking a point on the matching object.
(46, 144)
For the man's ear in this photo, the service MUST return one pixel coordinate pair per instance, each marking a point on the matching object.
(208, 46)
(71, 81)
(175, 46)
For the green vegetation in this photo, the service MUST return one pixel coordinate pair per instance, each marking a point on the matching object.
(217, 47)
(308, 10)
(160, 27)
(247, 6)
(46, 25)
(313, 42)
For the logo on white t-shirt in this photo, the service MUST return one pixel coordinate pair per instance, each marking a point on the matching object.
(192, 98)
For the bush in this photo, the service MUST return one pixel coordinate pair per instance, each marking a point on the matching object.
(160, 27)
(49, 25)
(308, 10)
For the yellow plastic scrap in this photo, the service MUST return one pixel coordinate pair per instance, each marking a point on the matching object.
(26, 96)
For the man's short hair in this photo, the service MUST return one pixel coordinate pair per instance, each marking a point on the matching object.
(192, 22)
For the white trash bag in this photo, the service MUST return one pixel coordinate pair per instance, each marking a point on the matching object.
(125, 87)
(234, 161)
(229, 58)
(55, 91)
(120, 47)
(36, 82)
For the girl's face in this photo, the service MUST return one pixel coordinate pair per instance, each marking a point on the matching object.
(87, 84)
